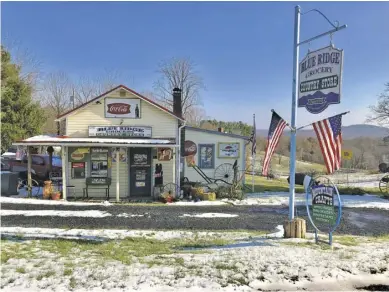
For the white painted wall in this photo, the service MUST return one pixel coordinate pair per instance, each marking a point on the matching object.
(199, 137)
(163, 126)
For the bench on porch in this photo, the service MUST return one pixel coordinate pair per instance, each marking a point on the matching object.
(101, 183)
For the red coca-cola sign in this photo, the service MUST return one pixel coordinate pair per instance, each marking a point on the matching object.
(119, 108)
(190, 148)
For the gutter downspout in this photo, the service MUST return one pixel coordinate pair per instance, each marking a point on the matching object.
(178, 160)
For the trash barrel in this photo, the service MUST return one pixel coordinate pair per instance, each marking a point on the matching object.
(9, 183)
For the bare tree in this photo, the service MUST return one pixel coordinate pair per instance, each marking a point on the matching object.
(195, 115)
(88, 88)
(31, 66)
(179, 73)
(57, 91)
(380, 111)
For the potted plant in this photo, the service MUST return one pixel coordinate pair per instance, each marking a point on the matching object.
(56, 195)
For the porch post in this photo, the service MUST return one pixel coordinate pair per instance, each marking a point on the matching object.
(64, 171)
(29, 179)
(117, 175)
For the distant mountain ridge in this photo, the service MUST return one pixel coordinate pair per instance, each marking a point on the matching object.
(348, 132)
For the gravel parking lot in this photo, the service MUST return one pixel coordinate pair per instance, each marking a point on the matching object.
(356, 221)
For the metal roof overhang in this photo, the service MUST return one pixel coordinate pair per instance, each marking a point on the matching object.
(100, 142)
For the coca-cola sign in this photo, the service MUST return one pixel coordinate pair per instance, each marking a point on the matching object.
(122, 108)
(119, 108)
(190, 148)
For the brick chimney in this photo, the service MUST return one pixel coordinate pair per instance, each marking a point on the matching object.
(177, 102)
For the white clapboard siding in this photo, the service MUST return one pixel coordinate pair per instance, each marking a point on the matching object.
(163, 124)
(199, 137)
(123, 180)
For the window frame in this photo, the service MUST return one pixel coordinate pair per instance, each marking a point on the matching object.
(200, 146)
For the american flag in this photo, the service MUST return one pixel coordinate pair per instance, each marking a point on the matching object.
(277, 126)
(329, 134)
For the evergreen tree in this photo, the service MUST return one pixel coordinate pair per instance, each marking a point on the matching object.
(21, 117)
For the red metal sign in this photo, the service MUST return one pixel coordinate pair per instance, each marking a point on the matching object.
(190, 148)
(78, 165)
(119, 108)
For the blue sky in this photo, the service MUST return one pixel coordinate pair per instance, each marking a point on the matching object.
(243, 49)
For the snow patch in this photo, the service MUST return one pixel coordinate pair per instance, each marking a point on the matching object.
(282, 198)
(96, 234)
(126, 215)
(210, 215)
(200, 203)
(58, 213)
(8, 200)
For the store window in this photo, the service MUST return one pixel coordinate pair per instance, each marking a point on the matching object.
(207, 156)
(99, 162)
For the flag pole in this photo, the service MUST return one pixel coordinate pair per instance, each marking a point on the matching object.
(287, 123)
(253, 156)
(345, 113)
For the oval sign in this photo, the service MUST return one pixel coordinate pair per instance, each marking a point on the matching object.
(324, 206)
(119, 108)
(190, 148)
(77, 156)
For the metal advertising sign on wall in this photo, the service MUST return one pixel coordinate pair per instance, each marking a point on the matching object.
(190, 152)
(165, 154)
(228, 150)
(122, 155)
(120, 131)
(320, 76)
(78, 154)
(326, 207)
(122, 108)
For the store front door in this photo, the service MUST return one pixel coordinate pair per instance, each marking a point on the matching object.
(140, 172)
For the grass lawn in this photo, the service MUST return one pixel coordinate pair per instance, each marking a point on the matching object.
(280, 163)
(262, 184)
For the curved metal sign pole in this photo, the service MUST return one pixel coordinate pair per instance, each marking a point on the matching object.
(339, 216)
(296, 47)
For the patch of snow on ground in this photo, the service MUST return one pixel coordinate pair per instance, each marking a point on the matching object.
(210, 215)
(58, 213)
(126, 215)
(282, 198)
(98, 234)
(200, 203)
(9, 200)
(274, 266)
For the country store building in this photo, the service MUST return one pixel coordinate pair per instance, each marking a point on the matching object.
(129, 142)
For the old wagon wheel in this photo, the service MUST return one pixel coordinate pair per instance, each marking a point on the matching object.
(225, 172)
(384, 184)
(172, 189)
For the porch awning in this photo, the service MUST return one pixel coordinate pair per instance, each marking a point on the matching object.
(45, 140)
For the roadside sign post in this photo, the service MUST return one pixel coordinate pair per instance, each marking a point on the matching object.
(295, 89)
(347, 155)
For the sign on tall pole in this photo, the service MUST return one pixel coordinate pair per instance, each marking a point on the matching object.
(320, 76)
(314, 103)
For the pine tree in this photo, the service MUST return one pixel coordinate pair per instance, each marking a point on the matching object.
(21, 117)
